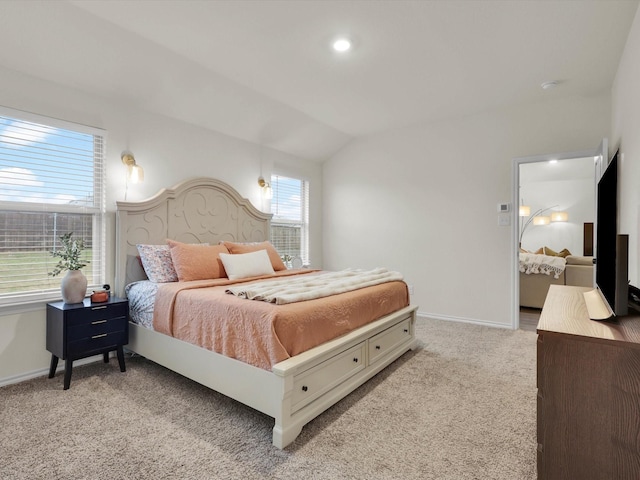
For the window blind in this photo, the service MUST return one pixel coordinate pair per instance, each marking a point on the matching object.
(290, 222)
(51, 183)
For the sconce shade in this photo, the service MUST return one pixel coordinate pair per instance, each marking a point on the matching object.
(524, 211)
(559, 216)
(267, 191)
(135, 173)
(541, 220)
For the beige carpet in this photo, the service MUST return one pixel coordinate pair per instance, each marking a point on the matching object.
(460, 407)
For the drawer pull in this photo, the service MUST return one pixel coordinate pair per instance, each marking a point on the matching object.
(99, 308)
(100, 336)
(355, 359)
(377, 347)
(98, 322)
(406, 330)
(304, 388)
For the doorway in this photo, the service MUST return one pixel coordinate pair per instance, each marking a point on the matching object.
(552, 183)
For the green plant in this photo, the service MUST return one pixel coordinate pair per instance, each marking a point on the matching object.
(286, 258)
(69, 254)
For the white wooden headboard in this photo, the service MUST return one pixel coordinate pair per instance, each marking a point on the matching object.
(198, 210)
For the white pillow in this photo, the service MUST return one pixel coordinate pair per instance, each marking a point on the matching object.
(243, 265)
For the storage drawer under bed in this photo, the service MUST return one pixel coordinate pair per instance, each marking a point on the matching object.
(387, 340)
(318, 380)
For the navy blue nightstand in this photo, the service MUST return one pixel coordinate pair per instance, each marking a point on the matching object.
(80, 330)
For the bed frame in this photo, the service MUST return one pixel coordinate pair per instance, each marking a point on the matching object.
(297, 389)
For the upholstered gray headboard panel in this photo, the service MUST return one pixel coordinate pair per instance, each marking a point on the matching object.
(198, 210)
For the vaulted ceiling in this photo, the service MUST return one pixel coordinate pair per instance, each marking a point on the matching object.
(263, 70)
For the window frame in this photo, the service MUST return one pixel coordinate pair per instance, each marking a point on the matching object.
(29, 299)
(304, 215)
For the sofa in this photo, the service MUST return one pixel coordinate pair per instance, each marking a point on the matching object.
(578, 272)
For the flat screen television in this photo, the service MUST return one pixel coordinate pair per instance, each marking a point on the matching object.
(612, 251)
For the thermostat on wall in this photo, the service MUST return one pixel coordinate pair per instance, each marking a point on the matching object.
(504, 207)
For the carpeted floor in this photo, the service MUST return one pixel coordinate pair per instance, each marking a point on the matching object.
(460, 407)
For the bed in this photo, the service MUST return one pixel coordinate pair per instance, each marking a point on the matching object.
(293, 390)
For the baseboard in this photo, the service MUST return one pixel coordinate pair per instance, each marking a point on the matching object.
(23, 377)
(450, 318)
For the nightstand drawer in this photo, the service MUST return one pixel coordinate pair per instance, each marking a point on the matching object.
(96, 343)
(96, 312)
(96, 327)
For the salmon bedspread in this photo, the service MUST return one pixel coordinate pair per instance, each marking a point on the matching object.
(260, 333)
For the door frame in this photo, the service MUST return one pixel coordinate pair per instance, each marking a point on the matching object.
(599, 153)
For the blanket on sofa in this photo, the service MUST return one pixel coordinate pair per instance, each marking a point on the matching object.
(545, 264)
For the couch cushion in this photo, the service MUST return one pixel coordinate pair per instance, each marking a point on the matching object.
(578, 260)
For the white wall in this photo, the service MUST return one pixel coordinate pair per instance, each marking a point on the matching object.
(625, 130)
(576, 196)
(169, 151)
(423, 200)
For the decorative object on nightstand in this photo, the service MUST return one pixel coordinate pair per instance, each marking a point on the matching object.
(74, 283)
(99, 296)
(80, 330)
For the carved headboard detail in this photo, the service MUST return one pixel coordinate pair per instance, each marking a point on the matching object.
(199, 210)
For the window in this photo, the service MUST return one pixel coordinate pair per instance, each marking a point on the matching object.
(51, 183)
(290, 222)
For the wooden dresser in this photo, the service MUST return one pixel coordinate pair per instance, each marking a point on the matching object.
(588, 382)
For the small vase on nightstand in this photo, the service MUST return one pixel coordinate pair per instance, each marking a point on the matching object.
(73, 287)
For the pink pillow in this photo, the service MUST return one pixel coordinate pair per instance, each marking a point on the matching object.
(276, 261)
(197, 261)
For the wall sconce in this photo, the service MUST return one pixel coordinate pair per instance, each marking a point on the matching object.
(559, 216)
(267, 191)
(135, 173)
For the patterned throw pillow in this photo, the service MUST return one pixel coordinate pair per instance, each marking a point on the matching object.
(157, 263)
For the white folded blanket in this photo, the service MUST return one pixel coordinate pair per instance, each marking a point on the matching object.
(308, 287)
(535, 263)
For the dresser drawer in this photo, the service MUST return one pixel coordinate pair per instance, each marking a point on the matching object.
(384, 342)
(316, 381)
(96, 327)
(96, 343)
(94, 313)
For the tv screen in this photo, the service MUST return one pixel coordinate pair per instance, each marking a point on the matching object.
(611, 248)
(606, 231)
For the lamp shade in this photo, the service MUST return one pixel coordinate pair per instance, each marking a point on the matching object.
(559, 216)
(136, 174)
(524, 211)
(541, 220)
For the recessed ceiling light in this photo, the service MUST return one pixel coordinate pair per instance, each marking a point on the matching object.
(342, 44)
(549, 85)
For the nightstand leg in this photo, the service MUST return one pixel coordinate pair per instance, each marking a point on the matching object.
(68, 366)
(120, 352)
(53, 366)
(105, 357)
